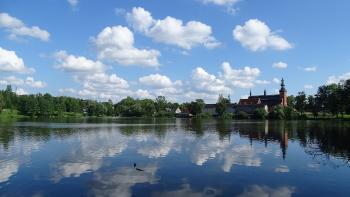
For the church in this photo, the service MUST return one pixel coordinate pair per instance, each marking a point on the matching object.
(268, 102)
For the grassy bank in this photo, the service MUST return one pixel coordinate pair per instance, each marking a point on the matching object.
(10, 114)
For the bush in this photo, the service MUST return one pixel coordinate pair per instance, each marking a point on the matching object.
(290, 113)
(165, 114)
(302, 116)
(204, 115)
(226, 115)
(242, 115)
(260, 113)
(277, 113)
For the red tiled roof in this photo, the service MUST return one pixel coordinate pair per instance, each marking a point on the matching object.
(249, 101)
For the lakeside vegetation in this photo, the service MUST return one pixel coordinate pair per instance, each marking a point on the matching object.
(330, 101)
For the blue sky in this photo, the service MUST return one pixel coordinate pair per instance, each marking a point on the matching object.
(183, 49)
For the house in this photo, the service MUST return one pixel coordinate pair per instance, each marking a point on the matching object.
(182, 114)
(256, 101)
(211, 109)
(250, 104)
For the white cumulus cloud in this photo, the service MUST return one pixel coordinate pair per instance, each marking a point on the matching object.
(204, 82)
(116, 44)
(156, 81)
(17, 28)
(34, 84)
(71, 63)
(10, 62)
(242, 78)
(171, 31)
(308, 86)
(29, 81)
(310, 69)
(221, 2)
(276, 80)
(257, 36)
(280, 65)
(336, 79)
(73, 3)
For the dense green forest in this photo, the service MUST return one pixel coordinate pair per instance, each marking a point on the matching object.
(333, 99)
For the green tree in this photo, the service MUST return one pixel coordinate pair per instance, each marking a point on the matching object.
(161, 103)
(277, 113)
(109, 108)
(2, 102)
(300, 102)
(196, 107)
(148, 107)
(312, 105)
(28, 105)
(222, 104)
(260, 113)
(290, 113)
(291, 101)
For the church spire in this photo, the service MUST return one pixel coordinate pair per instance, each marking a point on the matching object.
(265, 92)
(250, 92)
(283, 88)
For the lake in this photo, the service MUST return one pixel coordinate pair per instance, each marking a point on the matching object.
(174, 157)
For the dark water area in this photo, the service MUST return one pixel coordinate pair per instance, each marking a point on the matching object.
(174, 157)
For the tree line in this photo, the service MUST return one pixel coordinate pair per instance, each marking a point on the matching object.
(331, 99)
(50, 106)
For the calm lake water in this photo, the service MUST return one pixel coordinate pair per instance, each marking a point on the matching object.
(174, 157)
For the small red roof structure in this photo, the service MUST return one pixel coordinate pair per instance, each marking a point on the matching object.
(250, 101)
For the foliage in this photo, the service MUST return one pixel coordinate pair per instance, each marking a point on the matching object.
(242, 115)
(277, 113)
(204, 115)
(221, 105)
(290, 113)
(260, 113)
(300, 102)
(226, 115)
(49, 106)
(291, 101)
(2, 103)
(196, 107)
(331, 99)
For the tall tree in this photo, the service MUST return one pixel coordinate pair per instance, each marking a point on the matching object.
(221, 105)
(2, 102)
(300, 102)
(196, 107)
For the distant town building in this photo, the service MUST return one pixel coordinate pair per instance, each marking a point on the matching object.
(249, 105)
(261, 100)
(182, 114)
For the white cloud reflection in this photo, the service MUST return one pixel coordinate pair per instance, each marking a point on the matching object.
(16, 154)
(257, 190)
(208, 147)
(244, 155)
(88, 156)
(282, 169)
(186, 190)
(154, 147)
(8, 168)
(119, 182)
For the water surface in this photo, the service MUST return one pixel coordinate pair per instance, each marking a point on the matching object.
(174, 157)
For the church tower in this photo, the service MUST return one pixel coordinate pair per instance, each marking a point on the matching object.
(283, 94)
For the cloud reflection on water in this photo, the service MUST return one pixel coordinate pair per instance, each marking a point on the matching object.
(120, 181)
(257, 190)
(88, 156)
(186, 190)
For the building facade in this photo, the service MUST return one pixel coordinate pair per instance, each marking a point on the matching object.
(269, 100)
(253, 102)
